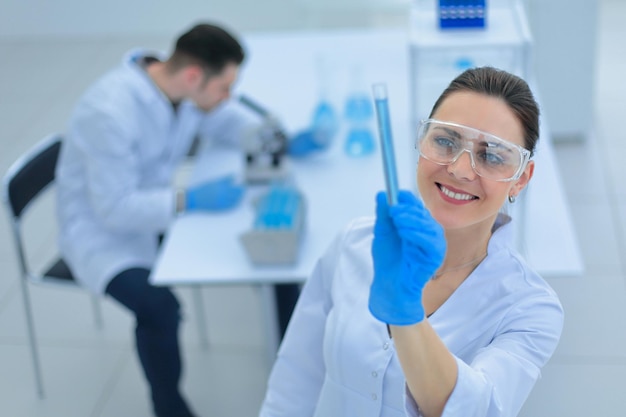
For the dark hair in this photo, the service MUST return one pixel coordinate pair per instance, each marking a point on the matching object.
(510, 88)
(206, 45)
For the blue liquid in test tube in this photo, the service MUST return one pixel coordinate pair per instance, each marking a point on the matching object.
(386, 142)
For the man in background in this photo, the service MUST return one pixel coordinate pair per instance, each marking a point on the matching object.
(126, 138)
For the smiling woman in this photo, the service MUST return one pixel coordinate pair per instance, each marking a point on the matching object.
(480, 117)
(427, 309)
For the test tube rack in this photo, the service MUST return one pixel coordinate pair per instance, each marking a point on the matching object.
(275, 236)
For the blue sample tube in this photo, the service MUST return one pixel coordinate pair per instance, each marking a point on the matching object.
(386, 141)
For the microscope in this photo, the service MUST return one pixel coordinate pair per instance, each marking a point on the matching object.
(265, 147)
(280, 211)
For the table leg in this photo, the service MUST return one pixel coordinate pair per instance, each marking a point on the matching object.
(270, 323)
(198, 303)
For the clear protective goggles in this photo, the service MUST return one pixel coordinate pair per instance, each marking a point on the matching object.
(491, 157)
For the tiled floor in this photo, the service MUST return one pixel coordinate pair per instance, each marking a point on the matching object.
(94, 373)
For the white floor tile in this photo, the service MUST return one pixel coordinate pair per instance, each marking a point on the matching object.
(74, 379)
(597, 237)
(582, 170)
(63, 317)
(226, 381)
(218, 382)
(595, 310)
(620, 222)
(581, 388)
(616, 166)
(8, 283)
(233, 316)
(128, 395)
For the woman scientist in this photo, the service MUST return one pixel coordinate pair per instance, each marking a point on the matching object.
(427, 310)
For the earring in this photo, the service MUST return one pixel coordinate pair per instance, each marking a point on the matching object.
(511, 199)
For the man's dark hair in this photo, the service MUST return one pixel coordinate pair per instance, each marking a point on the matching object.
(209, 46)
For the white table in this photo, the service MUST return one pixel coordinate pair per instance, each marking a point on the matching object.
(281, 73)
(204, 249)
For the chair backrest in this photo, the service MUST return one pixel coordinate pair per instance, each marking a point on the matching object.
(31, 174)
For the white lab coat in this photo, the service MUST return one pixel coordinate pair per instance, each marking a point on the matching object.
(115, 172)
(502, 324)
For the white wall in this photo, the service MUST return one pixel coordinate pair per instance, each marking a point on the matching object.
(564, 55)
(28, 18)
(564, 32)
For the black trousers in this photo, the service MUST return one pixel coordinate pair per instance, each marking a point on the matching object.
(286, 298)
(157, 314)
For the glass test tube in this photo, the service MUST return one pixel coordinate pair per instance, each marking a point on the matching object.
(386, 141)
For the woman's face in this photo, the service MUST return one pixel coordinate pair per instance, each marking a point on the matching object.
(456, 196)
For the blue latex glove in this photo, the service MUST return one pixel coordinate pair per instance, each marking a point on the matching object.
(408, 248)
(303, 143)
(324, 128)
(217, 195)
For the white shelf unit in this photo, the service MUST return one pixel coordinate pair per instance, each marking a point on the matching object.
(437, 56)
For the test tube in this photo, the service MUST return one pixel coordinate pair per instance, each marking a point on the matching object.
(386, 141)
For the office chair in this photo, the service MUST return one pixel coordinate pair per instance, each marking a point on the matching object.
(24, 183)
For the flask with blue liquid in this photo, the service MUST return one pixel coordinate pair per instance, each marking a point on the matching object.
(323, 128)
(324, 123)
(325, 120)
(359, 114)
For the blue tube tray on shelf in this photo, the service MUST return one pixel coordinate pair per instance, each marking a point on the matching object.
(462, 13)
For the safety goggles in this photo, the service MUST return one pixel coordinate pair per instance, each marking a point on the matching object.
(491, 157)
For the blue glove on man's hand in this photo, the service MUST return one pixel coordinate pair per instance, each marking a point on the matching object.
(303, 143)
(408, 248)
(324, 128)
(217, 195)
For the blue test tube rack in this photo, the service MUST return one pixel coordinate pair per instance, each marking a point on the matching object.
(462, 13)
(275, 236)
